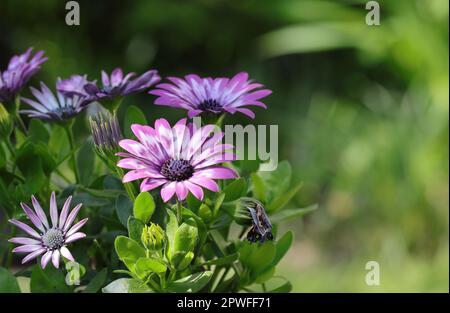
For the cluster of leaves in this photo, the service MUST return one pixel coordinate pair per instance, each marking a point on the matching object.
(202, 249)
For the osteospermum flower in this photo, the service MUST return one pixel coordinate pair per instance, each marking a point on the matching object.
(73, 86)
(181, 159)
(118, 85)
(19, 71)
(49, 107)
(215, 95)
(49, 240)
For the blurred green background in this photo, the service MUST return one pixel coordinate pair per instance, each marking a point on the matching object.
(362, 111)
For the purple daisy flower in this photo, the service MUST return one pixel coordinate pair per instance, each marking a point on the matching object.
(73, 86)
(48, 241)
(117, 85)
(19, 71)
(216, 95)
(181, 159)
(49, 107)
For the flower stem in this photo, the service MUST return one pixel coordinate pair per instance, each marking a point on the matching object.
(69, 132)
(128, 186)
(179, 212)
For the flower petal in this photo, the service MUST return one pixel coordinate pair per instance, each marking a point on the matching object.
(46, 258)
(75, 237)
(76, 227)
(64, 212)
(53, 210)
(194, 189)
(66, 253)
(72, 217)
(24, 241)
(168, 191)
(39, 212)
(33, 217)
(25, 228)
(55, 258)
(26, 248)
(33, 255)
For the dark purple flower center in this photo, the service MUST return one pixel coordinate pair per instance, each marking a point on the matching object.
(53, 239)
(210, 105)
(65, 112)
(177, 170)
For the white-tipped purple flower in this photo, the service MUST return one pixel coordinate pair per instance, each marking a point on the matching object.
(214, 95)
(181, 159)
(19, 71)
(57, 109)
(49, 239)
(74, 85)
(117, 85)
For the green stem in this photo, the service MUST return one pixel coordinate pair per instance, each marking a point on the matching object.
(69, 132)
(10, 147)
(219, 121)
(128, 186)
(17, 115)
(222, 278)
(264, 287)
(179, 212)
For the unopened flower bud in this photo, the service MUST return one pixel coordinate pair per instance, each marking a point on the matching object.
(153, 237)
(106, 134)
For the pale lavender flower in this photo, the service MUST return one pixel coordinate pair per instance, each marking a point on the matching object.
(214, 95)
(49, 107)
(181, 159)
(118, 85)
(19, 71)
(74, 85)
(49, 240)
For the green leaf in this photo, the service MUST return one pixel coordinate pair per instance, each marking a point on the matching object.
(282, 246)
(144, 206)
(129, 251)
(133, 115)
(126, 285)
(186, 236)
(191, 283)
(262, 277)
(259, 188)
(58, 145)
(37, 132)
(231, 258)
(8, 283)
(277, 181)
(283, 199)
(205, 213)
(135, 228)
(289, 214)
(97, 282)
(124, 207)
(48, 280)
(146, 266)
(257, 257)
(284, 287)
(85, 162)
(235, 190)
(171, 229)
(181, 259)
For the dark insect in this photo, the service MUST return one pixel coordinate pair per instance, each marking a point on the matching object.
(261, 229)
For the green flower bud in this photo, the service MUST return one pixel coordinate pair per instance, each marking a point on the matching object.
(153, 237)
(6, 123)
